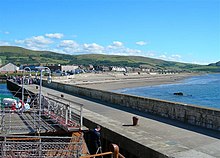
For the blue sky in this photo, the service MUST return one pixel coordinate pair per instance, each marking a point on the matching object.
(177, 30)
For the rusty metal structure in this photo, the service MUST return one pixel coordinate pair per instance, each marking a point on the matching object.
(17, 128)
(32, 133)
(55, 112)
(40, 146)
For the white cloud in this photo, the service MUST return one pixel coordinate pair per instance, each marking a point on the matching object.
(93, 48)
(163, 56)
(35, 42)
(19, 41)
(40, 40)
(141, 43)
(68, 43)
(69, 46)
(150, 53)
(121, 50)
(131, 51)
(72, 47)
(176, 56)
(3, 43)
(54, 35)
(117, 44)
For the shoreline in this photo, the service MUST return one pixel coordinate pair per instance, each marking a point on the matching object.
(116, 81)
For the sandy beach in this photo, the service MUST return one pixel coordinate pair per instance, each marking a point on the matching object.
(114, 81)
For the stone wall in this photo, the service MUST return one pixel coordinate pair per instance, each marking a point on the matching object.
(205, 117)
(128, 147)
(196, 115)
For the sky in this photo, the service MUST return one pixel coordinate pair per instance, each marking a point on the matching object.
(175, 30)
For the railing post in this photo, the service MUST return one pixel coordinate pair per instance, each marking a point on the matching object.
(81, 117)
(3, 147)
(66, 117)
(40, 148)
(70, 115)
(48, 108)
(35, 127)
(115, 150)
(10, 123)
(3, 121)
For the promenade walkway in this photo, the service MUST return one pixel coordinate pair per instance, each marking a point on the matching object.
(171, 138)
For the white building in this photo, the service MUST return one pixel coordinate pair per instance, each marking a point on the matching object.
(65, 68)
(8, 68)
(118, 69)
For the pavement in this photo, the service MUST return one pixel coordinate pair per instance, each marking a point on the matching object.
(172, 138)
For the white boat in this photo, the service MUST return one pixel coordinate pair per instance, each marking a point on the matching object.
(7, 102)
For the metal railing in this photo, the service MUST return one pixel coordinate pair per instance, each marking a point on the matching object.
(69, 110)
(40, 146)
(113, 153)
(54, 112)
(65, 113)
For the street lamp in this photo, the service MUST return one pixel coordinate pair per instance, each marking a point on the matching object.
(47, 69)
(22, 93)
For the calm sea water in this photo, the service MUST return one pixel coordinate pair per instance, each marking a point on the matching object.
(199, 90)
(4, 92)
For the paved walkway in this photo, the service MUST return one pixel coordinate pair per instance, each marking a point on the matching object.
(171, 138)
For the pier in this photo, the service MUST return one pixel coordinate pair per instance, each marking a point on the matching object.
(153, 136)
(52, 127)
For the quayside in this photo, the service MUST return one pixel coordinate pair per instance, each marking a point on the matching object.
(53, 128)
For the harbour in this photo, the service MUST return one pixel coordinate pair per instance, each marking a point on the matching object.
(38, 132)
(109, 79)
(146, 139)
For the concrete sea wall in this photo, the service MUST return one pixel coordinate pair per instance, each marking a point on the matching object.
(196, 115)
(128, 147)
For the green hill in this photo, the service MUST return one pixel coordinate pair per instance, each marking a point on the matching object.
(21, 56)
(18, 56)
(215, 64)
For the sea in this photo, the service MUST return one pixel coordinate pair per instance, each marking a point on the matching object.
(203, 90)
(4, 91)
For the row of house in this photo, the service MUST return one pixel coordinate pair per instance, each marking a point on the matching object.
(75, 69)
(10, 68)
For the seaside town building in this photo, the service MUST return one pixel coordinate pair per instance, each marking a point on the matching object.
(8, 68)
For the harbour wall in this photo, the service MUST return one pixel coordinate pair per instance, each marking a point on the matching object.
(128, 147)
(192, 114)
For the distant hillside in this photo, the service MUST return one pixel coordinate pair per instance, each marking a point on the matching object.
(215, 64)
(20, 56)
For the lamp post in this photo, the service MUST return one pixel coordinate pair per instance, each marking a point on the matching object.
(42, 68)
(22, 93)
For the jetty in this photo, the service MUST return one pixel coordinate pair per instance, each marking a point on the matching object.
(152, 136)
(52, 128)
